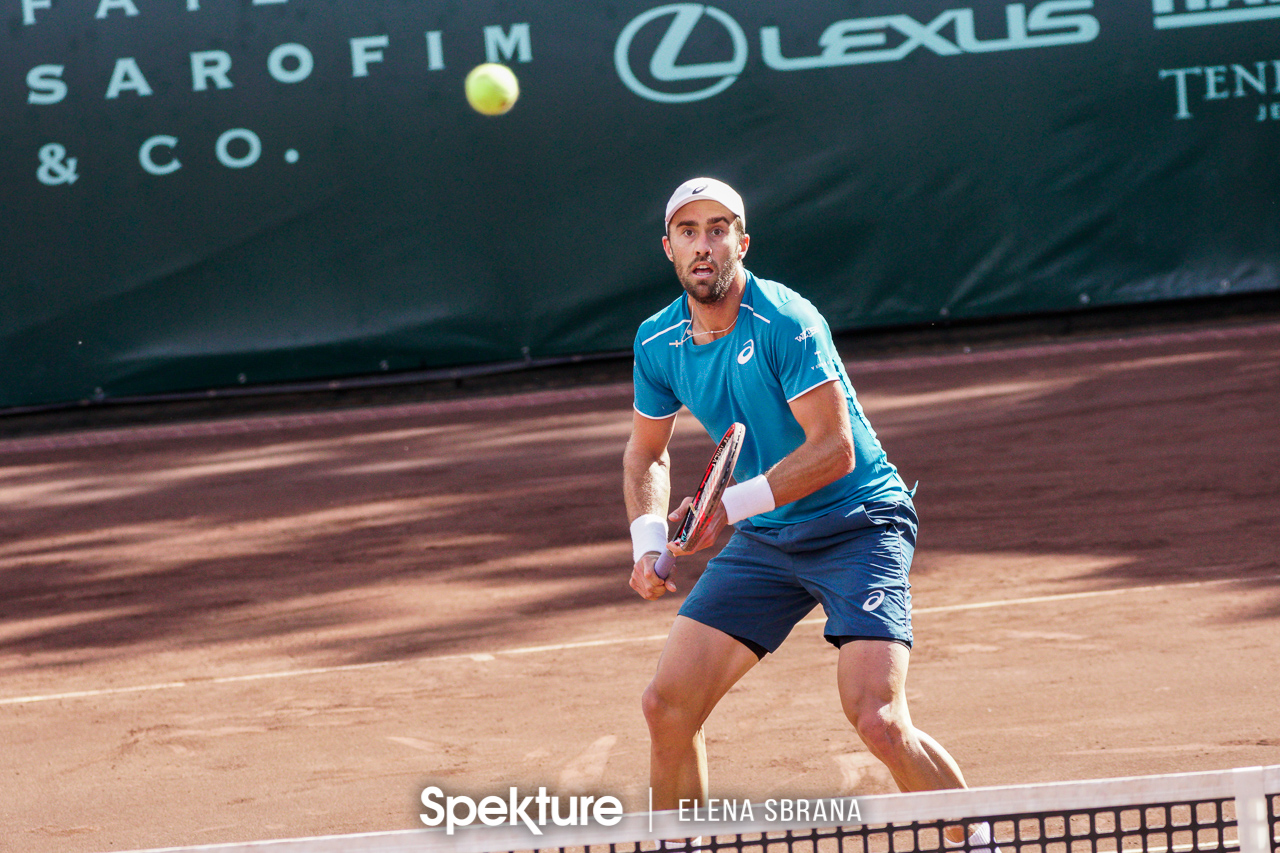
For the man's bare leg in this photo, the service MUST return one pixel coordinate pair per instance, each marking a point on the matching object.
(697, 667)
(872, 678)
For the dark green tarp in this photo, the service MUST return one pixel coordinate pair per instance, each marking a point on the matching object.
(211, 193)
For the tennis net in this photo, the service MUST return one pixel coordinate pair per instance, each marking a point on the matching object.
(1229, 811)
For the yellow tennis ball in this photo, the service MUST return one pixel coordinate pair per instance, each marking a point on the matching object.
(492, 89)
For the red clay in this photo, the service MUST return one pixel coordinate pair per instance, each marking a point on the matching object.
(287, 627)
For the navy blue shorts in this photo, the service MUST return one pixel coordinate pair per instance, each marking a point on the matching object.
(854, 562)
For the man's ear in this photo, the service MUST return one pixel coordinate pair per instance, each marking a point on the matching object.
(742, 246)
(666, 247)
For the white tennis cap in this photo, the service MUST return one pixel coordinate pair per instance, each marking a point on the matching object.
(700, 188)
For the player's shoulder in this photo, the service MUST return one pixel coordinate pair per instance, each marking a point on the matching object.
(664, 326)
(782, 309)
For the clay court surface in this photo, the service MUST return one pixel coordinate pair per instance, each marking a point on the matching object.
(286, 626)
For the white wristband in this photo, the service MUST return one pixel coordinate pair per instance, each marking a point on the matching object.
(747, 499)
(648, 535)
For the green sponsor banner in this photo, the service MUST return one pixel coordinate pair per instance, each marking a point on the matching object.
(211, 193)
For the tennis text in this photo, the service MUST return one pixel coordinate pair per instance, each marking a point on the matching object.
(495, 811)
(1203, 84)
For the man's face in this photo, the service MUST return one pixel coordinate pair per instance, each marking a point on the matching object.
(706, 249)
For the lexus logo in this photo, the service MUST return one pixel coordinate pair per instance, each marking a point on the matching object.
(860, 41)
(663, 67)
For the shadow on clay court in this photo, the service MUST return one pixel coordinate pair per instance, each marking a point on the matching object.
(1159, 463)
(205, 540)
(440, 534)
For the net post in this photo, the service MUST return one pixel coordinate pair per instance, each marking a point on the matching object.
(1252, 823)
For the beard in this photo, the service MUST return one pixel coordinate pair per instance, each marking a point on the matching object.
(710, 293)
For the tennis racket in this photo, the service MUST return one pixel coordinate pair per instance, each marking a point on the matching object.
(707, 498)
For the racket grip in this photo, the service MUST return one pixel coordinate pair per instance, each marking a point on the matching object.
(662, 568)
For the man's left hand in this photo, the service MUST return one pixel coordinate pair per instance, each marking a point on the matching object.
(709, 534)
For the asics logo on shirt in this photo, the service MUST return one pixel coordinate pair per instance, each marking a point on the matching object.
(747, 351)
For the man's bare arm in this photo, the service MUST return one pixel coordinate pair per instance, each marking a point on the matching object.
(827, 453)
(646, 467)
(646, 490)
(825, 456)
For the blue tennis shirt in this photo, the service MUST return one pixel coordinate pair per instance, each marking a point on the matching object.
(779, 349)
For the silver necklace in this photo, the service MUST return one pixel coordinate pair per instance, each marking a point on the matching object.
(690, 334)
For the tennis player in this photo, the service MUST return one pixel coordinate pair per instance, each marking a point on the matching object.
(820, 515)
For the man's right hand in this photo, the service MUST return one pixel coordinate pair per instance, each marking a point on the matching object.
(643, 580)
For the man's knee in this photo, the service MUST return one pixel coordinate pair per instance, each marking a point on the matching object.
(661, 713)
(674, 730)
(885, 733)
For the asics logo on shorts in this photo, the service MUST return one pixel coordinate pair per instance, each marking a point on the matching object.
(747, 351)
(873, 601)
